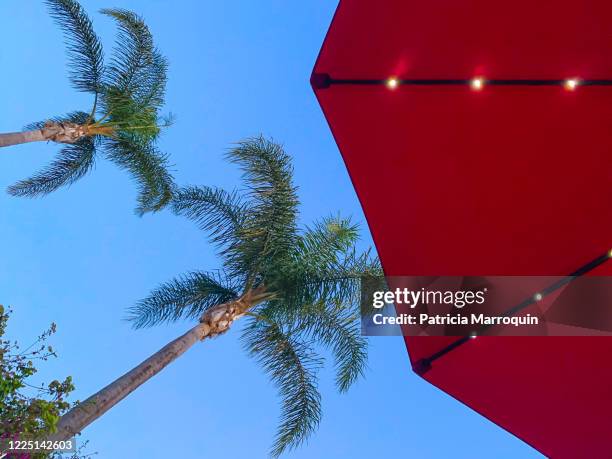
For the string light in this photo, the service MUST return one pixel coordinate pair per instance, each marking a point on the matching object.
(392, 83)
(571, 84)
(425, 363)
(324, 80)
(477, 83)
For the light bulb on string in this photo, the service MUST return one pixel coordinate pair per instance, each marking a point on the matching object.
(477, 83)
(571, 84)
(392, 83)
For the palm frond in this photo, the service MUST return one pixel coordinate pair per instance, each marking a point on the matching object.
(320, 293)
(84, 48)
(321, 274)
(337, 326)
(269, 231)
(215, 211)
(127, 115)
(339, 233)
(292, 366)
(137, 68)
(373, 281)
(321, 245)
(185, 297)
(152, 89)
(72, 162)
(148, 168)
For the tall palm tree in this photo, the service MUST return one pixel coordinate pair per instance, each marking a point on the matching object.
(295, 289)
(124, 121)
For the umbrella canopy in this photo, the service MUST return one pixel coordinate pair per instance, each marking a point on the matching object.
(477, 135)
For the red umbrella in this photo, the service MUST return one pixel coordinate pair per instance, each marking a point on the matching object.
(478, 137)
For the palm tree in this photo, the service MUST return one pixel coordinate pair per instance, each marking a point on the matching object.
(296, 290)
(123, 123)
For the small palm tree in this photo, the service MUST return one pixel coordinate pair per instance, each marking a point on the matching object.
(295, 290)
(124, 121)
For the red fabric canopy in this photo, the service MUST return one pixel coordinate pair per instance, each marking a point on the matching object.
(509, 180)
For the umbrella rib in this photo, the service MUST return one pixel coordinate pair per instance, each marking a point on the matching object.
(324, 80)
(423, 365)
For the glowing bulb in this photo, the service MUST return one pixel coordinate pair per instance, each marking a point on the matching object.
(477, 83)
(610, 253)
(392, 83)
(571, 84)
(473, 335)
(537, 297)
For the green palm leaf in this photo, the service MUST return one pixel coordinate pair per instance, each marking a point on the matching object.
(321, 245)
(325, 266)
(84, 48)
(148, 168)
(269, 230)
(292, 366)
(185, 297)
(137, 69)
(337, 327)
(72, 162)
(133, 93)
(217, 212)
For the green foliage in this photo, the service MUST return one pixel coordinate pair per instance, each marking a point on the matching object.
(216, 211)
(125, 121)
(292, 364)
(137, 70)
(86, 58)
(147, 167)
(336, 327)
(313, 277)
(186, 296)
(268, 232)
(72, 162)
(27, 411)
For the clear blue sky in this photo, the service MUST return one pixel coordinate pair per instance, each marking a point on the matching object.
(80, 256)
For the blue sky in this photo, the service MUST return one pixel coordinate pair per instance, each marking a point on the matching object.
(80, 257)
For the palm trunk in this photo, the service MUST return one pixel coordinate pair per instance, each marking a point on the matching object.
(75, 420)
(17, 138)
(64, 132)
(215, 321)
